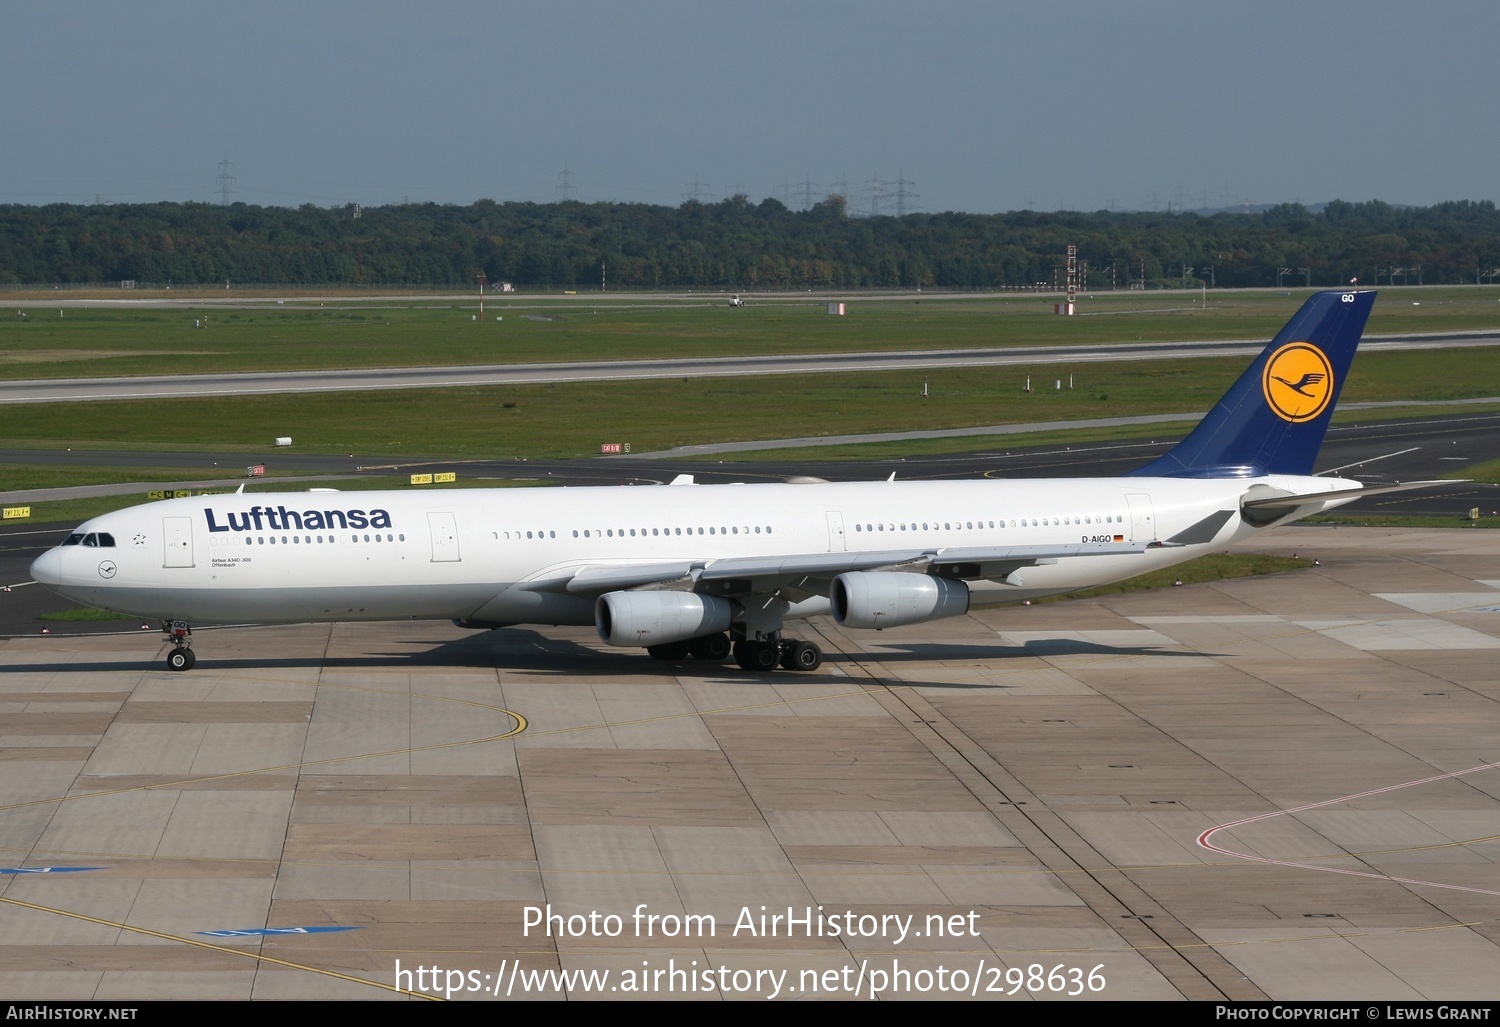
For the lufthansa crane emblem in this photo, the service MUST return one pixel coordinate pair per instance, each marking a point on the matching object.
(1298, 382)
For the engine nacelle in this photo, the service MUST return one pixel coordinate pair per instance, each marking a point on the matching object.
(656, 618)
(888, 599)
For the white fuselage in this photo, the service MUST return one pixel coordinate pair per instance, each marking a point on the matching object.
(488, 555)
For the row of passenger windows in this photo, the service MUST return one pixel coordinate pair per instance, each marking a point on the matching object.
(99, 539)
(513, 536)
(1024, 522)
(298, 540)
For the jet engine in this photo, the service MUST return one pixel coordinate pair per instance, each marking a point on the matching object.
(888, 599)
(656, 618)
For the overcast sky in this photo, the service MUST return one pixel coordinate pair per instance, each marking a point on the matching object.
(975, 106)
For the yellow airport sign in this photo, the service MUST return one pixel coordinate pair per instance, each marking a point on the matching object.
(15, 513)
(421, 479)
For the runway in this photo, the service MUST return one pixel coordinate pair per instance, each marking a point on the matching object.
(60, 390)
(1006, 804)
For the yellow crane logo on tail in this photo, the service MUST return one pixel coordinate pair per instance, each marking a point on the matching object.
(1298, 382)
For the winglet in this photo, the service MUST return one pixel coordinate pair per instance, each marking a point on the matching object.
(1273, 419)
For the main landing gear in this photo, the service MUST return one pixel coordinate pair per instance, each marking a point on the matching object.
(181, 636)
(764, 655)
(761, 655)
(714, 648)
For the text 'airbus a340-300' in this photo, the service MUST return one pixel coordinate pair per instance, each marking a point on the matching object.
(693, 570)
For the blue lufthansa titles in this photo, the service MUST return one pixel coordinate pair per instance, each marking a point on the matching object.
(259, 518)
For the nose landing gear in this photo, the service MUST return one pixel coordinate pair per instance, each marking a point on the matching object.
(181, 636)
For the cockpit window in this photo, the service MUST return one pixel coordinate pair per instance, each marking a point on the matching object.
(91, 540)
(73, 539)
(106, 540)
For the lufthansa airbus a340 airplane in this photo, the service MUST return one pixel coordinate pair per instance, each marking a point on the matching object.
(687, 570)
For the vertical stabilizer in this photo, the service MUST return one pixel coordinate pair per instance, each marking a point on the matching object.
(1273, 419)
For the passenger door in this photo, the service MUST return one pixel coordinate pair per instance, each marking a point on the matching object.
(444, 537)
(1142, 518)
(837, 543)
(177, 540)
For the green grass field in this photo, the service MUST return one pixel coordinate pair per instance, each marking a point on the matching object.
(74, 511)
(571, 419)
(1488, 471)
(52, 476)
(351, 332)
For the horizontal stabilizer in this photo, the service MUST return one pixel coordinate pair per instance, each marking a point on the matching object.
(1315, 498)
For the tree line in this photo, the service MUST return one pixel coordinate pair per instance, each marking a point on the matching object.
(738, 245)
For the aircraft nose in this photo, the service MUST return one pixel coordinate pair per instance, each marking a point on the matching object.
(47, 568)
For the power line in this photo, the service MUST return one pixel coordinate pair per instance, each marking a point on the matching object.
(226, 181)
(873, 191)
(805, 192)
(697, 190)
(904, 193)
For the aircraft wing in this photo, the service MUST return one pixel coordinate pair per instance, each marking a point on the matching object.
(795, 577)
(999, 561)
(810, 575)
(596, 581)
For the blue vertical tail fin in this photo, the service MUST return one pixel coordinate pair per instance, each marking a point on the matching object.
(1273, 419)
